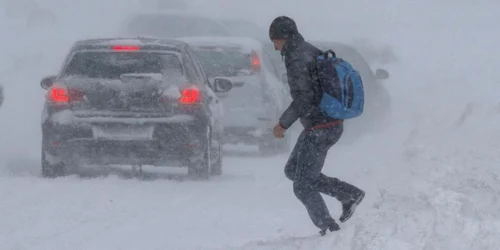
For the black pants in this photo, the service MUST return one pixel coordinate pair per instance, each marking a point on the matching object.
(304, 169)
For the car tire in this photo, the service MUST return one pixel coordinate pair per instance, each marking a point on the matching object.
(217, 165)
(200, 168)
(60, 169)
(50, 170)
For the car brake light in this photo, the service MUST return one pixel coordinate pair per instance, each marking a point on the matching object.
(125, 48)
(58, 94)
(61, 94)
(255, 61)
(190, 96)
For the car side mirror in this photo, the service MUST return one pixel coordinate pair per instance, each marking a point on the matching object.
(284, 78)
(222, 85)
(381, 74)
(47, 82)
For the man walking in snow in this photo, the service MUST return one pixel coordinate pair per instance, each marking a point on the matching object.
(320, 131)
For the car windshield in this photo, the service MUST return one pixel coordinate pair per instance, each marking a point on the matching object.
(174, 26)
(226, 62)
(111, 65)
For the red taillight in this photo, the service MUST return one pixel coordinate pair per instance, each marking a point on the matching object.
(190, 96)
(61, 94)
(125, 48)
(58, 95)
(255, 61)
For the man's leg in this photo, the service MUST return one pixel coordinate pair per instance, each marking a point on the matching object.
(291, 164)
(343, 191)
(310, 157)
(349, 195)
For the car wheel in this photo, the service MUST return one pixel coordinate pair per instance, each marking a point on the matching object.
(59, 169)
(217, 166)
(200, 167)
(50, 170)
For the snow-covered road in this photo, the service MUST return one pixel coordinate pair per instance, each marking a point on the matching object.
(252, 201)
(417, 199)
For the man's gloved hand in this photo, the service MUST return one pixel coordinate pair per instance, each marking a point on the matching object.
(279, 131)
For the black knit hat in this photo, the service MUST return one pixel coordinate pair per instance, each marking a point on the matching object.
(282, 27)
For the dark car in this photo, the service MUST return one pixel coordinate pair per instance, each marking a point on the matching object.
(169, 24)
(132, 102)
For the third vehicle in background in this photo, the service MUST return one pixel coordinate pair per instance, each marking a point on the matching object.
(258, 96)
(244, 28)
(170, 24)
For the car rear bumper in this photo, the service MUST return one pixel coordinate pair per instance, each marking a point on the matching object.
(108, 152)
(162, 141)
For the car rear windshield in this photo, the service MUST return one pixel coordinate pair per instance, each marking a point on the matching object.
(224, 62)
(111, 65)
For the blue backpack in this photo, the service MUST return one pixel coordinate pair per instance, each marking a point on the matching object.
(343, 93)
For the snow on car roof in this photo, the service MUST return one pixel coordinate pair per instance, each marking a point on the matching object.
(139, 41)
(136, 42)
(244, 43)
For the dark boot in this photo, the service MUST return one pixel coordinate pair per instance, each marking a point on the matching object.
(349, 206)
(332, 227)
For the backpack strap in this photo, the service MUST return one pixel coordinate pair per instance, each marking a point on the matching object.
(330, 53)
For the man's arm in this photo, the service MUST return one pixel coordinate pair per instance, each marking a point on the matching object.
(300, 83)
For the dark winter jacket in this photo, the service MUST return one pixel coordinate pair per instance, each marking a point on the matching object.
(305, 89)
